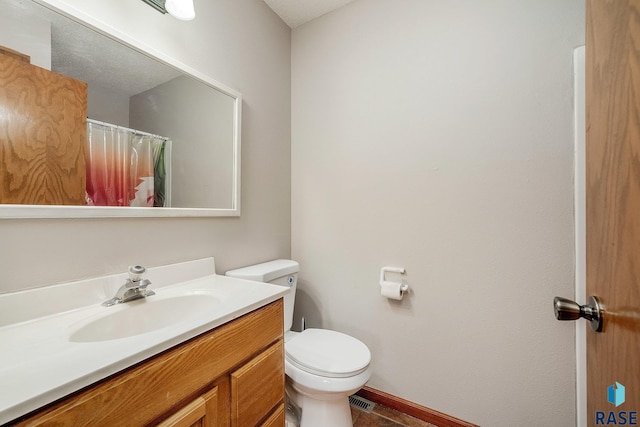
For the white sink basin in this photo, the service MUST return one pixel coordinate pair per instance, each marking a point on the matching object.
(143, 316)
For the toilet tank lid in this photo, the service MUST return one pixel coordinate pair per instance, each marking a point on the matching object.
(266, 271)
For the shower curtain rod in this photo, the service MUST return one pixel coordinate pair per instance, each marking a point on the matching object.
(137, 132)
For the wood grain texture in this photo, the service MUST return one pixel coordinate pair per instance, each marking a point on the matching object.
(613, 198)
(153, 390)
(15, 54)
(276, 419)
(417, 411)
(258, 387)
(202, 412)
(43, 135)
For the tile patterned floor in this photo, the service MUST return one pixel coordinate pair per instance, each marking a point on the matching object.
(381, 416)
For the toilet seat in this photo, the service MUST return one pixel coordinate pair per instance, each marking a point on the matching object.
(323, 388)
(327, 353)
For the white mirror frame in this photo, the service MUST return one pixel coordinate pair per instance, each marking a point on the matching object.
(51, 211)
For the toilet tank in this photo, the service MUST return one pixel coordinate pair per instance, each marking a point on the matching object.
(283, 272)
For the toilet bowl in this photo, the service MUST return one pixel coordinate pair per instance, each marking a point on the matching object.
(323, 367)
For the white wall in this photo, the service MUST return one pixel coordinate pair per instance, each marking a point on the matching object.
(437, 136)
(108, 105)
(241, 43)
(36, 44)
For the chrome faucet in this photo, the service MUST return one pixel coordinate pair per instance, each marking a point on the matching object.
(134, 288)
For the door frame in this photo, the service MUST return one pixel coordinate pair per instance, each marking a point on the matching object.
(580, 232)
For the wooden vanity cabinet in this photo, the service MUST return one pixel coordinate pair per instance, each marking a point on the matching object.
(232, 376)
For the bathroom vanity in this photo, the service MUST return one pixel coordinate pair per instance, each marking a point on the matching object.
(233, 375)
(223, 366)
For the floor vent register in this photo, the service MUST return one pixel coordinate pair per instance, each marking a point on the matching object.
(361, 403)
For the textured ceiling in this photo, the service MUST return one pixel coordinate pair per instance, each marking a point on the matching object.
(83, 54)
(297, 12)
(87, 56)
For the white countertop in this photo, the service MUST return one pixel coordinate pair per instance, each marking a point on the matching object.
(39, 363)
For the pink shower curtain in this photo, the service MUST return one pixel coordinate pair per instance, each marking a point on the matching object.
(120, 166)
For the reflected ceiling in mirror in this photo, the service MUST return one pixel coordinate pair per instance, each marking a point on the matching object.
(140, 89)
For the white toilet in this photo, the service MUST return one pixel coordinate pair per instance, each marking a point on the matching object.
(323, 367)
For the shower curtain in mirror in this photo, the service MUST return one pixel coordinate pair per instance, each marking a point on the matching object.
(124, 167)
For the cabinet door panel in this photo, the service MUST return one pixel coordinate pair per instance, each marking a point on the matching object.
(258, 387)
(43, 135)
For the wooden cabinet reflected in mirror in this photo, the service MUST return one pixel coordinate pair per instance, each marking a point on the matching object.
(42, 135)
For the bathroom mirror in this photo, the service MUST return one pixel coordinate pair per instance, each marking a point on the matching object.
(128, 84)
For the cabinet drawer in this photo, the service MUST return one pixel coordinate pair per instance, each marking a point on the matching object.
(276, 419)
(258, 387)
(202, 412)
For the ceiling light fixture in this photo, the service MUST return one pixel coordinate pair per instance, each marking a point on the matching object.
(180, 9)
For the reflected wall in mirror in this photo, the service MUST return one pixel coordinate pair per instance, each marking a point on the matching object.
(140, 90)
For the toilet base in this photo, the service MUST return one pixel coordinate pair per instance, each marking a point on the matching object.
(322, 411)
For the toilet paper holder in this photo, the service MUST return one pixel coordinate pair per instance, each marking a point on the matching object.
(403, 286)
